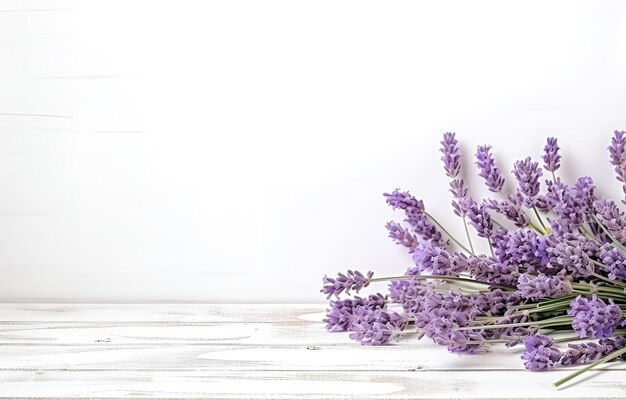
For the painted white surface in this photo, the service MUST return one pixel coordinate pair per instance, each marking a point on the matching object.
(237, 150)
(248, 351)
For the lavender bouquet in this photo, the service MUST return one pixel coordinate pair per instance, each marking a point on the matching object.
(556, 271)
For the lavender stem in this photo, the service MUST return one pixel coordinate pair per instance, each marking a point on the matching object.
(610, 357)
(448, 233)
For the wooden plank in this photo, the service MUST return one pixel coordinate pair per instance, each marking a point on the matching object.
(119, 333)
(305, 384)
(256, 358)
(243, 313)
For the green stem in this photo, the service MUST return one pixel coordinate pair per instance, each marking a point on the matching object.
(448, 233)
(468, 235)
(609, 234)
(535, 227)
(544, 323)
(440, 277)
(540, 220)
(601, 361)
(490, 247)
(553, 177)
(604, 278)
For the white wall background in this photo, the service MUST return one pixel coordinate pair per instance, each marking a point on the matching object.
(235, 151)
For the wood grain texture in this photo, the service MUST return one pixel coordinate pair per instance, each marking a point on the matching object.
(247, 351)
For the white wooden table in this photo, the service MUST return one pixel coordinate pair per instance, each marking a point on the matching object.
(246, 351)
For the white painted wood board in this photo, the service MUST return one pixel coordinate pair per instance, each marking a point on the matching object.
(248, 351)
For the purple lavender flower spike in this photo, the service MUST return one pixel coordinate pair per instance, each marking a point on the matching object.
(410, 294)
(584, 193)
(543, 286)
(452, 164)
(540, 353)
(488, 169)
(565, 203)
(404, 201)
(617, 152)
(488, 270)
(416, 216)
(451, 155)
(339, 316)
(527, 174)
(401, 235)
(509, 210)
(571, 258)
(583, 353)
(551, 157)
(496, 301)
(375, 327)
(352, 280)
(459, 190)
(594, 318)
(521, 247)
(609, 214)
(438, 261)
(614, 261)
(478, 217)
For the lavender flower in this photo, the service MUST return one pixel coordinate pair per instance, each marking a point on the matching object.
(459, 190)
(551, 157)
(542, 286)
(617, 152)
(452, 164)
(489, 270)
(375, 327)
(614, 261)
(584, 194)
(339, 316)
(521, 247)
(540, 353)
(410, 294)
(451, 155)
(401, 235)
(478, 217)
(511, 211)
(415, 216)
(438, 261)
(570, 203)
(609, 215)
(527, 174)
(570, 258)
(496, 301)
(594, 318)
(404, 201)
(589, 352)
(353, 280)
(488, 169)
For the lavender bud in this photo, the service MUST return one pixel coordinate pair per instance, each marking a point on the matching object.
(375, 327)
(551, 157)
(594, 318)
(339, 316)
(488, 169)
(352, 280)
(542, 286)
(478, 217)
(401, 235)
(614, 261)
(527, 174)
(438, 261)
(589, 352)
(451, 155)
(540, 353)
